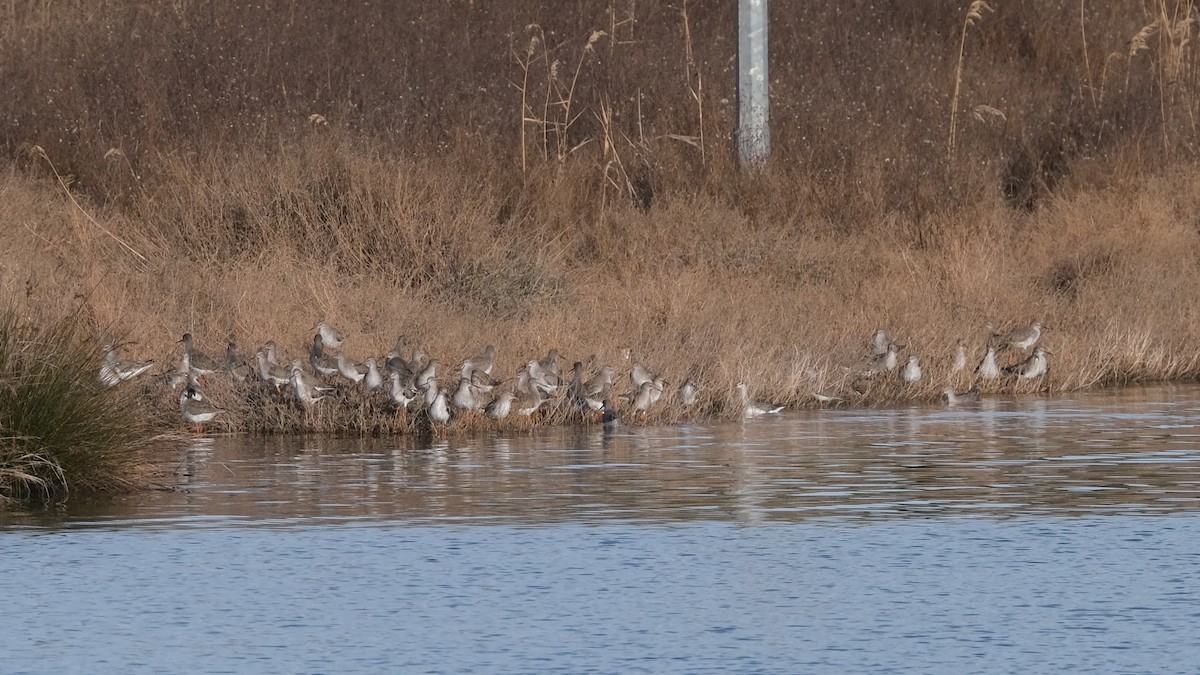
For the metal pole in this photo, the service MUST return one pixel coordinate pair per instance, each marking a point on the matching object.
(754, 131)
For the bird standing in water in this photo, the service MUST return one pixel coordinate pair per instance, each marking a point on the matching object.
(195, 408)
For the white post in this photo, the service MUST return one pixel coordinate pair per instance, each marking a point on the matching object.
(754, 131)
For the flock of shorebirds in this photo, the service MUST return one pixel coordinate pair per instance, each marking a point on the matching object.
(1026, 339)
(540, 384)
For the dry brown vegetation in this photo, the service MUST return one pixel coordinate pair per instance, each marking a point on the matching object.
(534, 175)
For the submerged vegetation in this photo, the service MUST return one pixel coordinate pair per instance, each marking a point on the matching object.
(60, 430)
(532, 175)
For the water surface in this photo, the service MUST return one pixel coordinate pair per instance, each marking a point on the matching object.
(1014, 535)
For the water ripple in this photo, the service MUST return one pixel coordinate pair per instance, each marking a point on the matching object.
(1133, 451)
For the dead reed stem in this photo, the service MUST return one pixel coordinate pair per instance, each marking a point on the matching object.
(697, 91)
(1087, 64)
(974, 15)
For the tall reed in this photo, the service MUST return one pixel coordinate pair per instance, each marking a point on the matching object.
(974, 16)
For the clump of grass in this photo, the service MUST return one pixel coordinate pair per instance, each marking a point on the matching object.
(60, 430)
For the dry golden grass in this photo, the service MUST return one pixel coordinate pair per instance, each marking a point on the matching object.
(562, 184)
(692, 287)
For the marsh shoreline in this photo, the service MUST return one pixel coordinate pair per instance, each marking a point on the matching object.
(567, 181)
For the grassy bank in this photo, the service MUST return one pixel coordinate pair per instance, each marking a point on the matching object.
(60, 431)
(688, 288)
(938, 166)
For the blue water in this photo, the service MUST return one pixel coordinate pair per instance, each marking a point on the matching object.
(1073, 544)
(954, 595)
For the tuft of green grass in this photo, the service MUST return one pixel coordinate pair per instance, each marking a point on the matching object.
(61, 431)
